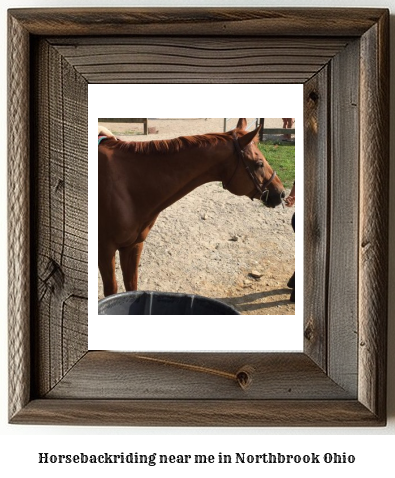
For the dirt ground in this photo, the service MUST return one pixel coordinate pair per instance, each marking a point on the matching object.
(213, 243)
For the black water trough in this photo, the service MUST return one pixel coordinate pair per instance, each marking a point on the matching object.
(162, 303)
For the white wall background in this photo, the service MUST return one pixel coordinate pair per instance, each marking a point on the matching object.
(22, 444)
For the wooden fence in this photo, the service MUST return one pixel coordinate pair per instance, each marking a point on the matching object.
(264, 131)
(144, 121)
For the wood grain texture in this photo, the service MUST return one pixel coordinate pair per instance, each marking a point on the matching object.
(316, 205)
(219, 60)
(260, 22)
(373, 245)
(196, 376)
(61, 221)
(318, 387)
(343, 219)
(18, 217)
(202, 413)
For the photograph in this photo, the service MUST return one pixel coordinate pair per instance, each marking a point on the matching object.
(196, 208)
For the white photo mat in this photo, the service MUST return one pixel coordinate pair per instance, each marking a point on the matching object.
(194, 333)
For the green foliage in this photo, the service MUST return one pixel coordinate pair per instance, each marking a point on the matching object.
(281, 157)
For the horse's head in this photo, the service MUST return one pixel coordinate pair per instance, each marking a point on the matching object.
(253, 175)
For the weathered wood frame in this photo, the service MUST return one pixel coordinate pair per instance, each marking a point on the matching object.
(342, 57)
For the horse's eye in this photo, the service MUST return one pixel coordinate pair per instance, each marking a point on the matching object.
(260, 164)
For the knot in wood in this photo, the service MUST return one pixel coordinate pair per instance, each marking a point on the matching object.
(313, 96)
(309, 332)
(244, 376)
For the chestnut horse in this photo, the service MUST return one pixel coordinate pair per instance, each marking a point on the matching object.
(138, 180)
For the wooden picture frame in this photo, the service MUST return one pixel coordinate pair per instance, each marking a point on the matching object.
(342, 58)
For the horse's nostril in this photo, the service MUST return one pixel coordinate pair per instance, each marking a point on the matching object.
(283, 195)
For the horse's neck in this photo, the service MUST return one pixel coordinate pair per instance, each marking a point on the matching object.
(182, 172)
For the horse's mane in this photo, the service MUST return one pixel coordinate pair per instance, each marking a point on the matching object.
(168, 146)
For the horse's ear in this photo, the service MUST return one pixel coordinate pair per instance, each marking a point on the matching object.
(249, 137)
(242, 123)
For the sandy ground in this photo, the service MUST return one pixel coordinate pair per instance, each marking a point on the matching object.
(213, 243)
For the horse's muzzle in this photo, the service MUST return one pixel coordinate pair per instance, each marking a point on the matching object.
(274, 200)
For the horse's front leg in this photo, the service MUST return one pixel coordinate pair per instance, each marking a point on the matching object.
(130, 258)
(107, 269)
